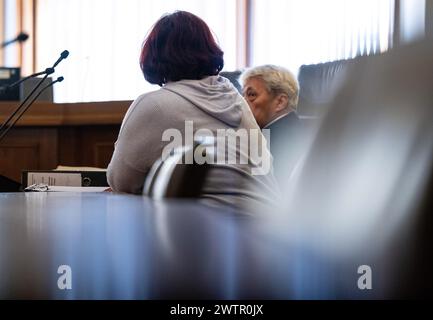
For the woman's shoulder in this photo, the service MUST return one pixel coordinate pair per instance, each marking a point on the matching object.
(144, 105)
(151, 105)
(151, 96)
(147, 102)
(154, 99)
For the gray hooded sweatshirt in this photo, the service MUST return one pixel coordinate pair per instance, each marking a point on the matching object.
(214, 104)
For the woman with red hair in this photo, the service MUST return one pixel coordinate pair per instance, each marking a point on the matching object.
(182, 57)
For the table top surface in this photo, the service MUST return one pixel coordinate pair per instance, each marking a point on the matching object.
(117, 246)
(130, 247)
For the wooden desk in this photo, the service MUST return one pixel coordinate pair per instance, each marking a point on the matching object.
(50, 134)
(129, 247)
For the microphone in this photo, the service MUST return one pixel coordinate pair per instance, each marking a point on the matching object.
(47, 71)
(20, 38)
(59, 79)
(23, 110)
(63, 55)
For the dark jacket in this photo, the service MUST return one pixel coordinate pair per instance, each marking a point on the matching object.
(285, 144)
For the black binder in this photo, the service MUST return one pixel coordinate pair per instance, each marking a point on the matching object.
(88, 178)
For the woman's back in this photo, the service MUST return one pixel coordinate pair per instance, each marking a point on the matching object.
(181, 55)
(181, 112)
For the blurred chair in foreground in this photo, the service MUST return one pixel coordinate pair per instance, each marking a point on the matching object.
(363, 194)
(174, 178)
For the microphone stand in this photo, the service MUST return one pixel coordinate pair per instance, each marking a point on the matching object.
(20, 106)
(24, 109)
(20, 38)
(47, 72)
(13, 85)
(6, 184)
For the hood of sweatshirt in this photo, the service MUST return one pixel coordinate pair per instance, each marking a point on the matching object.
(214, 95)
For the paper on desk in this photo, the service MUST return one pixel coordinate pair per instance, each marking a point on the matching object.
(68, 168)
(77, 189)
(41, 187)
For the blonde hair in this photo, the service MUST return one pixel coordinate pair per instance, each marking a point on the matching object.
(277, 80)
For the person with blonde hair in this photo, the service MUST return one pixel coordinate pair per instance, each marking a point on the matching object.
(272, 93)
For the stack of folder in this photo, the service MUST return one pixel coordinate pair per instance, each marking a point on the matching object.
(66, 177)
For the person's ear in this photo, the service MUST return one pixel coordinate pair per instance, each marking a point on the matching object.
(282, 102)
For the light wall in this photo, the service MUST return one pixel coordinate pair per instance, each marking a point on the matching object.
(286, 32)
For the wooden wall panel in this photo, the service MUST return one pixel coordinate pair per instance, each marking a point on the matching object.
(87, 145)
(102, 153)
(28, 149)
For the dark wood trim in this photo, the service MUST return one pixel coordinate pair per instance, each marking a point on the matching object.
(241, 34)
(60, 114)
(2, 29)
(19, 28)
(429, 19)
(249, 31)
(396, 32)
(34, 33)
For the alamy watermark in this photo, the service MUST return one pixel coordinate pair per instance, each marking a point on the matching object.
(225, 147)
(365, 281)
(64, 282)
